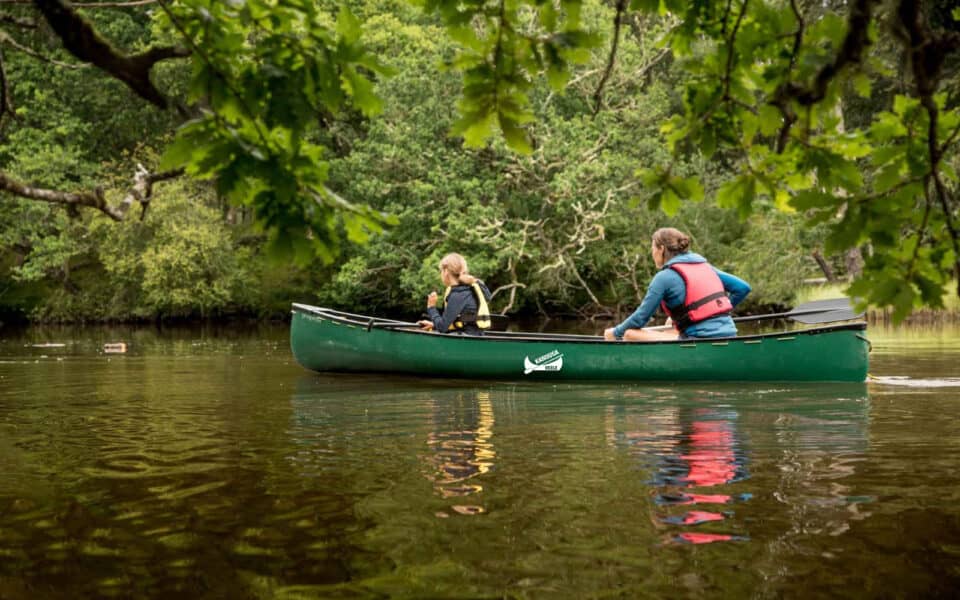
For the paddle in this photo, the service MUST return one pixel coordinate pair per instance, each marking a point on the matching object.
(498, 322)
(818, 311)
(809, 313)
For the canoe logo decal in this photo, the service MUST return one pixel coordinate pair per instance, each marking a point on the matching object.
(551, 361)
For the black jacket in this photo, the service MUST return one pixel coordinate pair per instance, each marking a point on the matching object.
(461, 305)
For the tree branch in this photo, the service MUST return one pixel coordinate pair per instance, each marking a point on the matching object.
(854, 45)
(83, 41)
(7, 39)
(131, 3)
(6, 105)
(730, 47)
(141, 191)
(617, 20)
(783, 103)
(927, 50)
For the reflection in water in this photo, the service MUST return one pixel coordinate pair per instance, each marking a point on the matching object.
(695, 456)
(817, 453)
(687, 449)
(460, 447)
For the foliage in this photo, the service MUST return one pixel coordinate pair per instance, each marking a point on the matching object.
(180, 261)
(264, 72)
(765, 87)
(299, 139)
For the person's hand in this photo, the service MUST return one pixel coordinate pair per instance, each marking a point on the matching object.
(668, 322)
(432, 300)
(425, 325)
(608, 335)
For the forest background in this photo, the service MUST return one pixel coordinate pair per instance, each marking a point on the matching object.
(561, 230)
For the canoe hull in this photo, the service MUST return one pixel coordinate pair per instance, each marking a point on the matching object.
(322, 341)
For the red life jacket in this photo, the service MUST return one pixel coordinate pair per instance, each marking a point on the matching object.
(705, 298)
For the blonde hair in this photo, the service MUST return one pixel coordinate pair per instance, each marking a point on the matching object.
(673, 241)
(456, 265)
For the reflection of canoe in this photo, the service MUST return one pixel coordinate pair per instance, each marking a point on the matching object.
(329, 340)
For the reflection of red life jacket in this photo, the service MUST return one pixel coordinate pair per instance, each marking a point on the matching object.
(711, 457)
(705, 297)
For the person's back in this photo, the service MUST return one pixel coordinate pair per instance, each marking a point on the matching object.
(465, 301)
(696, 296)
(675, 295)
(461, 310)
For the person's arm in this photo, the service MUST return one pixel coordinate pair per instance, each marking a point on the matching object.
(451, 310)
(735, 287)
(647, 307)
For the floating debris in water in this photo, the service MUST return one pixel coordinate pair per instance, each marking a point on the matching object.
(465, 509)
(115, 348)
(49, 345)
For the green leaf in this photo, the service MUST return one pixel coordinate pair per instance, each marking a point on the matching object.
(687, 189)
(738, 193)
(903, 303)
(348, 25)
(670, 203)
(810, 199)
(476, 128)
(889, 176)
(515, 136)
(861, 84)
(180, 152)
(770, 119)
(902, 104)
(361, 91)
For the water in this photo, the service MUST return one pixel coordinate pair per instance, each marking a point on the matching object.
(206, 463)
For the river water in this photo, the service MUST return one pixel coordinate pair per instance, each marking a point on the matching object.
(207, 463)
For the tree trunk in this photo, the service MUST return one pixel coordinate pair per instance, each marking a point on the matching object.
(854, 262)
(824, 266)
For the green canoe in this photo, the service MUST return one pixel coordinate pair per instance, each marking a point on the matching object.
(328, 340)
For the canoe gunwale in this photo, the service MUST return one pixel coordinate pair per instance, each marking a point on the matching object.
(403, 327)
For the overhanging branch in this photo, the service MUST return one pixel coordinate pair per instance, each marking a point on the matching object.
(141, 191)
(611, 59)
(82, 40)
(851, 52)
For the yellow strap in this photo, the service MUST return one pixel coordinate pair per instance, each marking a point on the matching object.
(483, 311)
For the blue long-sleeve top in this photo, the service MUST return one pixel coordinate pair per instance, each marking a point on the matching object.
(668, 286)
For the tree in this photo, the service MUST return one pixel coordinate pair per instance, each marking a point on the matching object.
(265, 77)
(764, 93)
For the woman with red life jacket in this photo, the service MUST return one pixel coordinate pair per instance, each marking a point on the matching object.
(696, 296)
(464, 303)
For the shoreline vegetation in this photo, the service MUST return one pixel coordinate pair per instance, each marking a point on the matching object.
(949, 314)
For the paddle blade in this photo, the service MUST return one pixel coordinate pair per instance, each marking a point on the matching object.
(825, 311)
(828, 317)
(822, 306)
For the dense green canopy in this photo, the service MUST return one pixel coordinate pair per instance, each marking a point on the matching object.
(306, 150)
